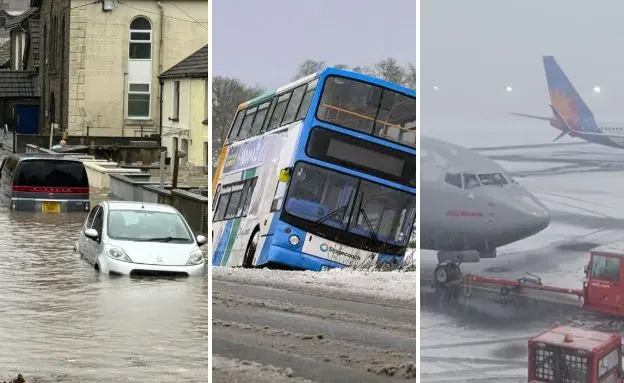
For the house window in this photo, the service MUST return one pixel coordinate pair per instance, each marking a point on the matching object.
(139, 100)
(176, 100)
(140, 43)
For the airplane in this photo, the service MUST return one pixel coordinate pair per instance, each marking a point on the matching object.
(470, 205)
(570, 114)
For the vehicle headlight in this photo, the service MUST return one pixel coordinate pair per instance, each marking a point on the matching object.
(294, 240)
(196, 258)
(117, 254)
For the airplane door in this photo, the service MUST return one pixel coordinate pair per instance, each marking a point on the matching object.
(604, 282)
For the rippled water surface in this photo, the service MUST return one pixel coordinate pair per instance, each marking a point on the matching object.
(61, 321)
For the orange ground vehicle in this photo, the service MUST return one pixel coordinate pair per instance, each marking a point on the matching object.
(564, 354)
(602, 290)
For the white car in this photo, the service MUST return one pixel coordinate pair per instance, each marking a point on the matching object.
(135, 238)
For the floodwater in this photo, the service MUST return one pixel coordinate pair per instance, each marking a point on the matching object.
(581, 185)
(61, 321)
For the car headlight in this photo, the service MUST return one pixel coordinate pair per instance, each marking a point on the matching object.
(196, 258)
(294, 240)
(117, 254)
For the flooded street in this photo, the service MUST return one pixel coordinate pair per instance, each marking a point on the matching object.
(60, 321)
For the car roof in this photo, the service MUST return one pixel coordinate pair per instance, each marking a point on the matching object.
(43, 156)
(134, 205)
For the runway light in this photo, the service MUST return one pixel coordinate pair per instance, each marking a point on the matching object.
(596, 89)
(508, 88)
(435, 87)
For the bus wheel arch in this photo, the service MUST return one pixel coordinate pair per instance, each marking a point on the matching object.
(252, 246)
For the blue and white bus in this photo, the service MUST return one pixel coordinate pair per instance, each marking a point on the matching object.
(319, 174)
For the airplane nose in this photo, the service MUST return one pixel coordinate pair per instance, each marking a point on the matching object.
(533, 214)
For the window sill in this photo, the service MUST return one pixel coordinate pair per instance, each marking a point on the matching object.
(205, 122)
(174, 119)
(139, 121)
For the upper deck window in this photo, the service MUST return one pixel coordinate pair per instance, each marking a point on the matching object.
(369, 109)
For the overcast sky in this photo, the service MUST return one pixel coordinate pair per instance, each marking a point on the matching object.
(262, 42)
(472, 49)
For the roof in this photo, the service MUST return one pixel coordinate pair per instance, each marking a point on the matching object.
(5, 53)
(18, 84)
(24, 16)
(581, 339)
(194, 66)
(133, 205)
(615, 248)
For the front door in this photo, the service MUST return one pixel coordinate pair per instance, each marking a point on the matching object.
(26, 119)
(604, 283)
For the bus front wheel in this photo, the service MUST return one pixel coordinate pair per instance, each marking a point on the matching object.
(251, 249)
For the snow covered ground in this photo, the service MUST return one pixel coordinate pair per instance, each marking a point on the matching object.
(582, 186)
(393, 285)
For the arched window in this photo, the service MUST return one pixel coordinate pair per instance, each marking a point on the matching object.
(139, 68)
(140, 43)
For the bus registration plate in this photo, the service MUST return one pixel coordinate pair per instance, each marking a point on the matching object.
(50, 207)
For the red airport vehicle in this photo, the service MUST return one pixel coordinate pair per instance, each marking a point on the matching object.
(602, 290)
(564, 354)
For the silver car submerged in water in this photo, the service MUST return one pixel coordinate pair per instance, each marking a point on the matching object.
(135, 238)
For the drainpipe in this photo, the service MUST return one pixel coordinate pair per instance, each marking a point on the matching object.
(160, 113)
(160, 63)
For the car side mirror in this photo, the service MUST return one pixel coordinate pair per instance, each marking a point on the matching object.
(91, 233)
(201, 240)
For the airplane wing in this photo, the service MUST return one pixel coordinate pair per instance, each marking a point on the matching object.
(531, 116)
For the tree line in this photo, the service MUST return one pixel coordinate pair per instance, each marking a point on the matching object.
(229, 92)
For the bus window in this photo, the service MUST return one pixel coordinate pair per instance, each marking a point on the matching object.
(260, 117)
(293, 105)
(349, 103)
(307, 100)
(237, 124)
(247, 122)
(224, 198)
(247, 194)
(396, 120)
(278, 112)
(265, 126)
(605, 268)
(216, 196)
(235, 200)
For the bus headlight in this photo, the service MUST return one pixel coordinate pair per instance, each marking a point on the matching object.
(294, 240)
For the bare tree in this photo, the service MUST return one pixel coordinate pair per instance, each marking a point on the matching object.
(390, 70)
(410, 76)
(308, 67)
(227, 94)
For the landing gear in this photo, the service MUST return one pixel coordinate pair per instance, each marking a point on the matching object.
(446, 272)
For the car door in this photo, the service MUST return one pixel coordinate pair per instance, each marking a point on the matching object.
(82, 239)
(95, 245)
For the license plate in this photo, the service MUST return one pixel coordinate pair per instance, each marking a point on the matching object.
(50, 207)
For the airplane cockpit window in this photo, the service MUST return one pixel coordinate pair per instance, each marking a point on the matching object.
(470, 181)
(454, 179)
(492, 179)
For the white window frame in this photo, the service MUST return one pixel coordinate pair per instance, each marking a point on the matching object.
(206, 99)
(150, 41)
(149, 109)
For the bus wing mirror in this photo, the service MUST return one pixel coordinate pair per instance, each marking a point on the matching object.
(284, 175)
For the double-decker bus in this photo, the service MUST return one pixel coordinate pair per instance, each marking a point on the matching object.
(319, 174)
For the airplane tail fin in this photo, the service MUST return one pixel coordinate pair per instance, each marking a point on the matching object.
(566, 101)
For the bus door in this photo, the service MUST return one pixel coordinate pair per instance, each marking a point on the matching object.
(604, 282)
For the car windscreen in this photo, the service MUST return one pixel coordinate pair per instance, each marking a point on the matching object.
(51, 173)
(145, 225)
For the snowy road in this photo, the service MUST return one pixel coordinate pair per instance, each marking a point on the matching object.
(280, 326)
